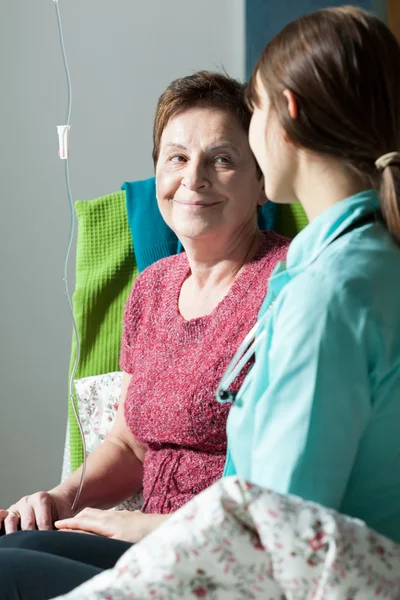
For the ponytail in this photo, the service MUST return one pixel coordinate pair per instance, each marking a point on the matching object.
(389, 193)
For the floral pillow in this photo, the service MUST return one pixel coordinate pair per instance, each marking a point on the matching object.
(98, 399)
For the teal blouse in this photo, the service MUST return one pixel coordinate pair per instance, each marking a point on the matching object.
(318, 415)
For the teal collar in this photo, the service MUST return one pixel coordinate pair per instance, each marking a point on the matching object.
(309, 243)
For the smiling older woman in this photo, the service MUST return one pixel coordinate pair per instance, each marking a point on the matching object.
(184, 319)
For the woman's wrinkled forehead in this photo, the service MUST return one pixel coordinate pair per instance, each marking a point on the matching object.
(209, 127)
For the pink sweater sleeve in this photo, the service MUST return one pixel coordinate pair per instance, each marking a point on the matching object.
(131, 323)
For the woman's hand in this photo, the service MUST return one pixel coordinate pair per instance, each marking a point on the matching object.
(3, 514)
(38, 511)
(122, 525)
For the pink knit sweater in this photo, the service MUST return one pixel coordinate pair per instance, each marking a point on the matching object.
(176, 366)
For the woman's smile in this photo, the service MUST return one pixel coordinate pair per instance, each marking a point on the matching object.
(197, 204)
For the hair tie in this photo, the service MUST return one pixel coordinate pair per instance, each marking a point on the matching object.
(386, 159)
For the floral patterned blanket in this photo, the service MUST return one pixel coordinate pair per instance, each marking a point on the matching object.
(236, 541)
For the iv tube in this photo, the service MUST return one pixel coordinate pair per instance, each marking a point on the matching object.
(64, 154)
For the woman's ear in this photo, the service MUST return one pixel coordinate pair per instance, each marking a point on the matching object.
(262, 198)
(291, 103)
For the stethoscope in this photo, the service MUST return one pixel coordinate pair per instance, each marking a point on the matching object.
(241, 357)
(255, 337)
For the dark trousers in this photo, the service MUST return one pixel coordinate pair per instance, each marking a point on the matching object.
(38, 565)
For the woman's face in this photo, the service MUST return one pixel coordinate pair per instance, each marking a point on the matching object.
(207, 180)
(273, 151)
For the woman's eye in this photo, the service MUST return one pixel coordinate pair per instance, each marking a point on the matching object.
(177, 158)
(222, 160)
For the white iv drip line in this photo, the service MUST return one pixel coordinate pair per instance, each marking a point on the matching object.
(63, 135)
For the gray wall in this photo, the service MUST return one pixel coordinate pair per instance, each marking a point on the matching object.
(122, 54)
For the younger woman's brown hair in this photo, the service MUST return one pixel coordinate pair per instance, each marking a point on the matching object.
(343, 67)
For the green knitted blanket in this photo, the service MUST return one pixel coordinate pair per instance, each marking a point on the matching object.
(291, 219)
(105, 271)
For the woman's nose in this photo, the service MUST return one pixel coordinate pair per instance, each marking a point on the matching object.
(195, 177)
